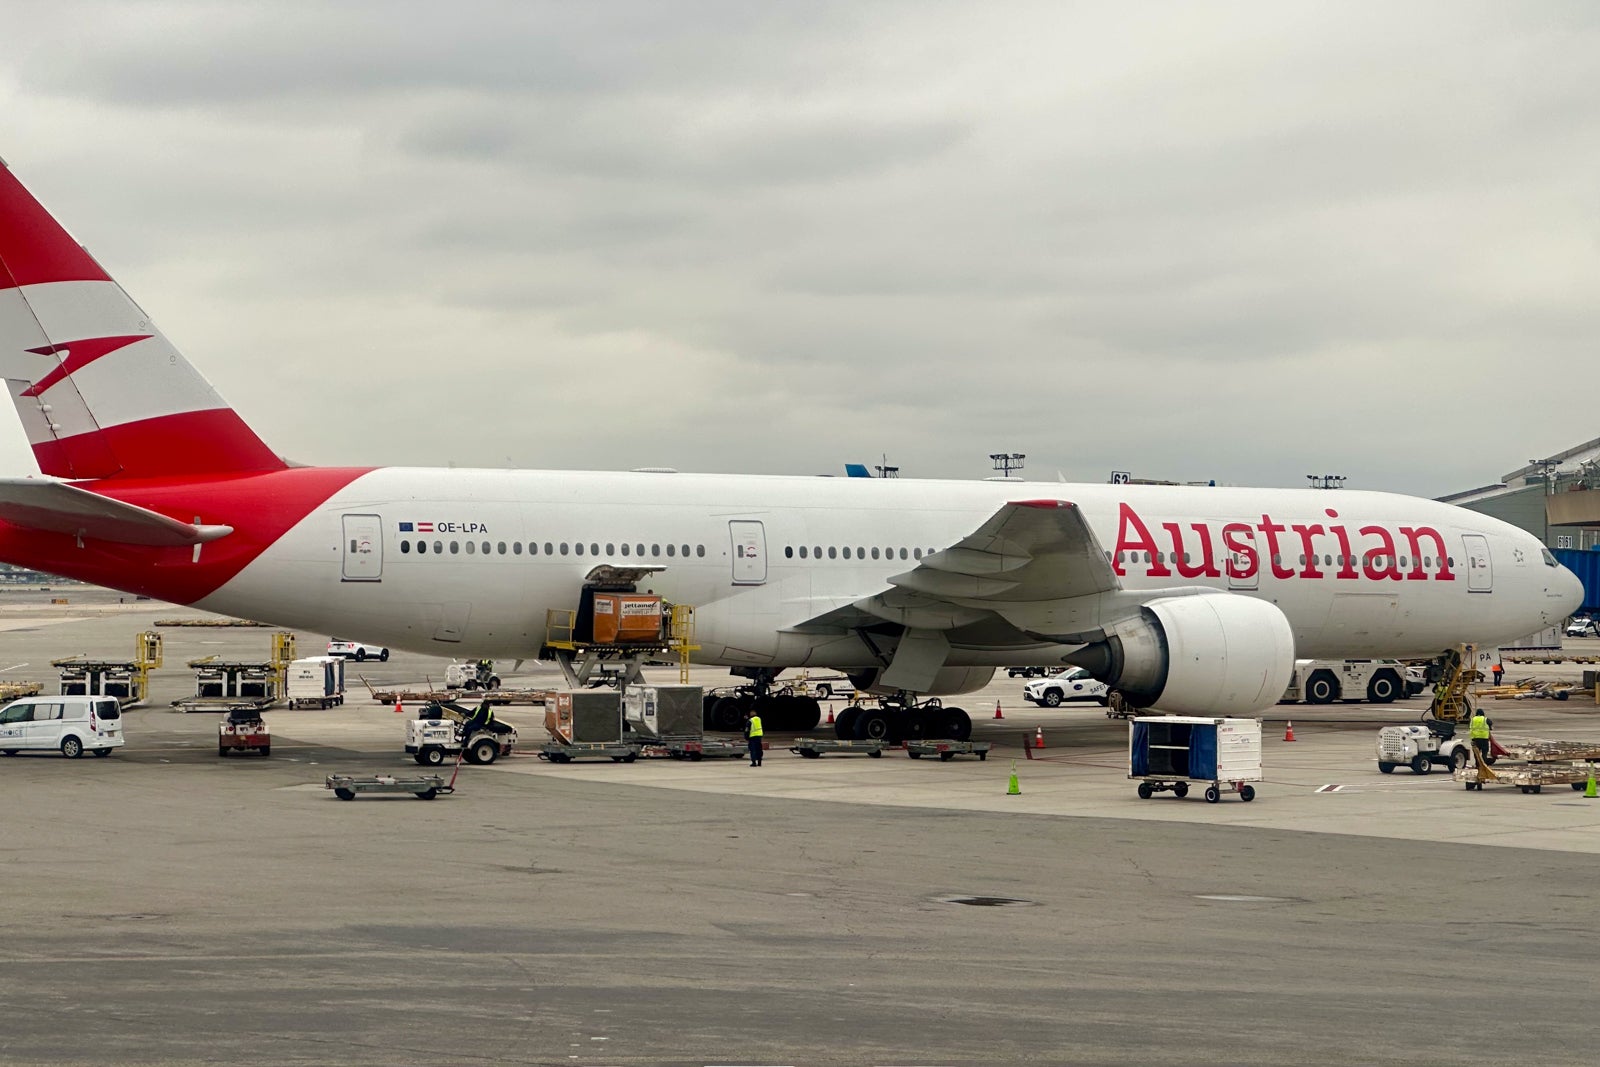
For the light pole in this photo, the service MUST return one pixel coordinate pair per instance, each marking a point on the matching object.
(1006, 462)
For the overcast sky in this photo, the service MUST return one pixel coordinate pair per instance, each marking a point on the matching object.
(1235, 241)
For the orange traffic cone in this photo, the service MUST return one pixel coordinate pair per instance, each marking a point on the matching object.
(1038, 737)
(830, 714)
(398, 710)
(997, 710)
(1288, 731)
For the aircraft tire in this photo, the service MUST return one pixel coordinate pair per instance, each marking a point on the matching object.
(726, 714)
(844, 725)
(958, 723)
(808, 713)
(874, 724)
(1321, 688)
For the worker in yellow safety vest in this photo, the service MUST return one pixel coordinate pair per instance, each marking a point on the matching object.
(1478, 730)
(752, 733)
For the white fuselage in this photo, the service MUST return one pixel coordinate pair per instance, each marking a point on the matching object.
(757, 556)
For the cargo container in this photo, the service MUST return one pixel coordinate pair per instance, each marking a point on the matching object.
(316, 681)
(583, 716)
(626, 618)
(1170, 751)
(661, 711)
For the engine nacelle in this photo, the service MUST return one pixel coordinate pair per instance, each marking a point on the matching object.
(1220, 654)
(947, 682)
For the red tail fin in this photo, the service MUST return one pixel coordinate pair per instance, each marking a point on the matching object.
(101, 393)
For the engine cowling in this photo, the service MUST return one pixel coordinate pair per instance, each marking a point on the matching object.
(1218, 654)
(949, 681)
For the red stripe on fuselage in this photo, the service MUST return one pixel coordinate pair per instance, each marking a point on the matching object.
(261, 508)
(188, 444)
(33, 246)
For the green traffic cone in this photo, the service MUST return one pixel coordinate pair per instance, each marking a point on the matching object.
(1015, 790)
(1589, 790)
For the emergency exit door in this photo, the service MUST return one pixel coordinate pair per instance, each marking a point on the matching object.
(363, 548)
(1480, 571)
(749, 551)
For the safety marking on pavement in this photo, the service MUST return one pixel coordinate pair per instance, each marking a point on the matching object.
(1330, 789)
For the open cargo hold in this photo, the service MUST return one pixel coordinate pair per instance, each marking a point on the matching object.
(661, 711)
(585, 716)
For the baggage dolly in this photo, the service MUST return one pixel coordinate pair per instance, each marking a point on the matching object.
(423, 787)
(616, 751)
(697, 749)
(815, 747)
(947, 749)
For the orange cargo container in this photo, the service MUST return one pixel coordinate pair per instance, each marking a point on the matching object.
(623, 618)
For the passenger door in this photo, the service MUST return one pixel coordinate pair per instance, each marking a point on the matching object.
(749, 539)
(43, 730)
(1480, 572)
(363, 548)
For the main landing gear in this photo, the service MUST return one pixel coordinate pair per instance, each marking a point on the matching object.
(781, 710)
(901, 718)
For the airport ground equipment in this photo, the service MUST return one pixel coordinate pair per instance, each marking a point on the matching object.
(1532, 763)
(243, 730)
(10, 691)
(439, 733)
(662, 712)
(1422, 747)
(222, 685)
(1172, 752)
(423, 787)
(898, 717)
(618, 629)
(948, 750)
(128, 681)
(1378, 681)
(615, 751)
(315, 681)
(496, 698)
(471, 675)
(817, 747)
(696, 749)
(585, 716)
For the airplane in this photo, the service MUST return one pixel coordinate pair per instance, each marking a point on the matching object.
(1186, 599)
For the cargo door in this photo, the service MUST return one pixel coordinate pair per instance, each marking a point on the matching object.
(749, 551)
(1480, 575)
(363, 548)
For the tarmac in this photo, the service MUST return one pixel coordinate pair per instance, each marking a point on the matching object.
(166, 906)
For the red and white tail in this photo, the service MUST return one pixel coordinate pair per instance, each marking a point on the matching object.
(100, 391)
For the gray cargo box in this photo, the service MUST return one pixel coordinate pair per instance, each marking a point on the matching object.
(659, 711)
(585, 716)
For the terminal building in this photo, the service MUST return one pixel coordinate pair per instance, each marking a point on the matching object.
(1556, 499)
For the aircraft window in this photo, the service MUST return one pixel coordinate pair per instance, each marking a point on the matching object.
(1186, 557)
(470, 548)
(563, 548)
(624, 548)
(917, 552)
(577, 547)
(594, 548)
(803, 552)
(845, 551)
(422, 547)
(685, 551)
(833, 553)
(816, 551)
(672, 550)
(700, 551)
(500, 547)
(455, 548)
(874, 551)
(902, 553)
(549, 549)
(1277, 559)
(655, 550)
(611, 549)
(788, 552)
(1549, 558)
(638, 550)
(405, 547)
(1403, 560)
(1327, 561)
(1427, 561)
(1452, 560)
(484, 547)
(516, 548)
(1302, 559)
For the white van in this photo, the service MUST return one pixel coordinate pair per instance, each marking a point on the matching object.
(71, 725)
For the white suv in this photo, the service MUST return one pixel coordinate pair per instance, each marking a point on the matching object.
(1074, 683)
(357, 651)
(69, 725)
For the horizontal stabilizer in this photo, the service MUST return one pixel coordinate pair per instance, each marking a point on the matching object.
(61, 508)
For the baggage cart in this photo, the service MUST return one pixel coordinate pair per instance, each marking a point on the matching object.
(615, 751)
(947, 750)
(696, 749)
(816, 747)
(1171, 752)
(423, 787)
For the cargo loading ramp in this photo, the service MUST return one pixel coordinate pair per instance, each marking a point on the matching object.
(589, 644)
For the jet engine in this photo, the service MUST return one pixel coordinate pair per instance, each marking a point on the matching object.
(948, 682)
(1219, 654)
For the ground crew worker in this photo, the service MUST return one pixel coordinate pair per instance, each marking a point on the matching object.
(1498, 671)
(1478, 730)
(480, 720)
(752, 733)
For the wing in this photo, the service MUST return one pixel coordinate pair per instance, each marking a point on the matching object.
(1033, 573)
(61, 508)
